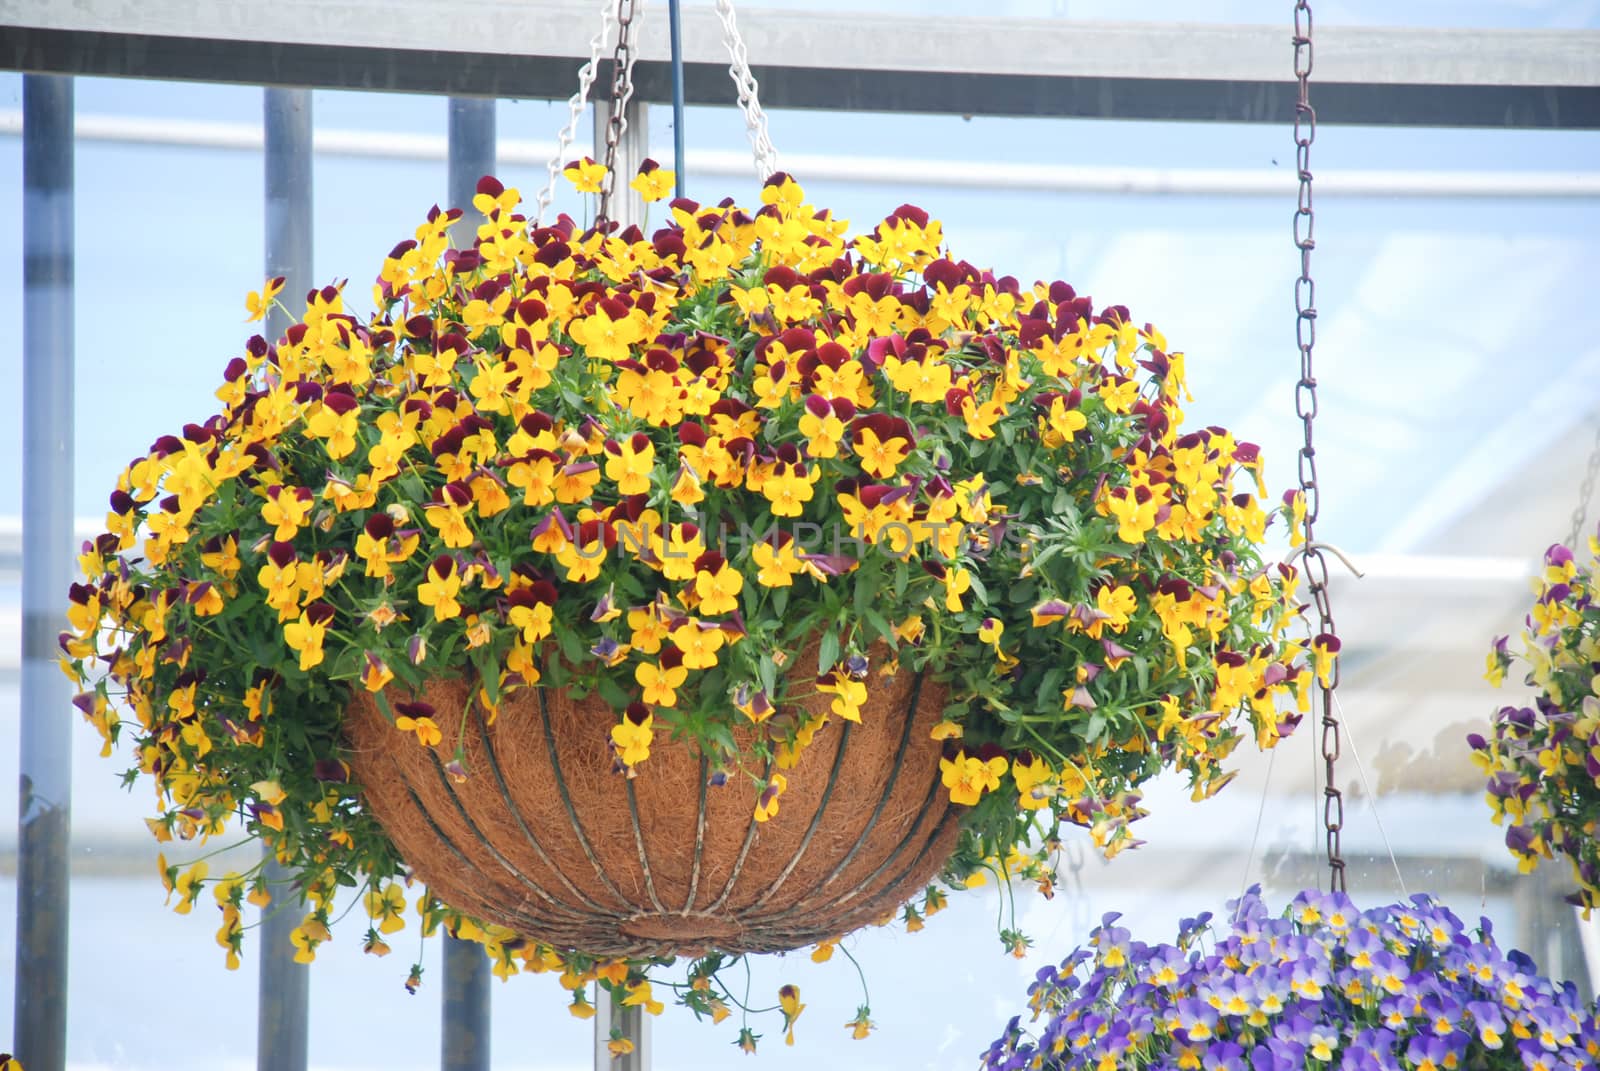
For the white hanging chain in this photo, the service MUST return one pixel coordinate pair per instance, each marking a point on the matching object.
(575, 107)
(755, 120)
(1585, 491)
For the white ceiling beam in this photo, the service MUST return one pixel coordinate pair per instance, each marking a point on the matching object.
(869, 41)
(837, 60)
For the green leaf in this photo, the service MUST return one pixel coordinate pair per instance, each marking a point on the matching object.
(827, 652)
(630, 586)
(265, 648)
(488, 673)
(412, 487)
(1050, 551)
(722, 736)
(1119, 718)
(880, 624)
(411, 676)
(613, 694)
(571, 644)
(867, 583)
(347, 666)
(446, 651)
(768, 671)
(1049, 695)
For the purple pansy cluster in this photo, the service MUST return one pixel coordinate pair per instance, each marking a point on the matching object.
(1543, 760)
(1325, 985)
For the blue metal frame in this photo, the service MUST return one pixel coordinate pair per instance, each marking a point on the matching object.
(285, 995)
(45, 815)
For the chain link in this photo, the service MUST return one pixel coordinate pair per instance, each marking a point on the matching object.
(624, 14)
(755, 120)
(621, 92)
(1314, 563)
(575, 107)
(1585, 490)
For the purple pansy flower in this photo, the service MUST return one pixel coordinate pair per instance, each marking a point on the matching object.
(1405, 987)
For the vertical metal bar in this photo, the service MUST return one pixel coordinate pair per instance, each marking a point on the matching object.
(285, 993)
(627, 207)
(1589, 943)
(632, 1023)
(679, 165)
(44, 816)
(465, 1034)
(465, 1039)
(1530, 900)
(471, 150)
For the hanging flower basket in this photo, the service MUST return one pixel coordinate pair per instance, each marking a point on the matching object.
(711, 590)
(1325, 985)
(1543, 760)
(546, 839)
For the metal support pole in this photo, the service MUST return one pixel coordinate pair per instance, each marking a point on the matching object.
(634, 1025)
(627, 207)
(44, 816)
(465, 1035)
(472, 156)
(1589, 941)
(1530, 900)
(679, 165)
(285, 985)
(465, 1039)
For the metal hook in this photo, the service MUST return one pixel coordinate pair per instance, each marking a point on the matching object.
(1337, 553)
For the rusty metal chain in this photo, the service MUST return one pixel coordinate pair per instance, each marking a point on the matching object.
(1585, 490)
(621, 92)
(1315, 563)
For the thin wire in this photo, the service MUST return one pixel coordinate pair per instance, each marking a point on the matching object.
(1361, 769)
(679, 165)
(1244, 882)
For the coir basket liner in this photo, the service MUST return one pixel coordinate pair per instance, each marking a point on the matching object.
(545, 838)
